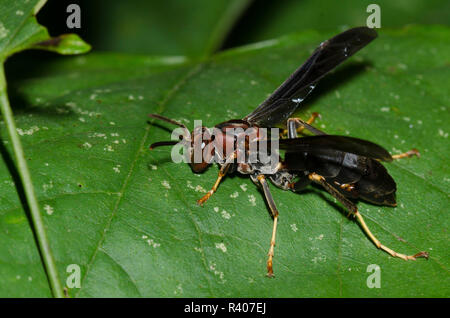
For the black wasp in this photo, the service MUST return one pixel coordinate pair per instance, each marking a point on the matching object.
(348, 168)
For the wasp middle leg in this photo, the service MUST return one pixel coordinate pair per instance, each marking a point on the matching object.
(274, 212)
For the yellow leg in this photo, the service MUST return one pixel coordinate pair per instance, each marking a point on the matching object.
(222, 172)
(354, 211)
(309, 122)
(412, 152)
(274, 212)
(385, 248)
(271, 249)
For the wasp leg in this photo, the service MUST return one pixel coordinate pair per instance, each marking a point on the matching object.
(354, 211)
(296, 126)
(222, 172)
(349, 205)
(274, 212)
(412, 152)
(300, 184)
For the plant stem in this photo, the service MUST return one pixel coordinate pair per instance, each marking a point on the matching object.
(229, 17)
(25, 177)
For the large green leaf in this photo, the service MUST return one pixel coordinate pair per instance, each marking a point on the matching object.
(19, 31)
(128, 216)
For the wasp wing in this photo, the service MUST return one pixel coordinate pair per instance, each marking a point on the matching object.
(286, 98)
(348, 165)
(329, 144)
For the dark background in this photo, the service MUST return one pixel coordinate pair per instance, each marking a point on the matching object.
(151, 27)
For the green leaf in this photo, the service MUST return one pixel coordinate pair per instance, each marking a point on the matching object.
(64, 44)
(19, 31)
(128, 216)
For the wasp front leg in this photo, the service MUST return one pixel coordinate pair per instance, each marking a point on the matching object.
(222, 172)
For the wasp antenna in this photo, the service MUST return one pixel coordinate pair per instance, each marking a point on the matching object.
(156, 116)
(163, 143)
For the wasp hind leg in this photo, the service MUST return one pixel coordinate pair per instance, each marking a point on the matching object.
(354, 211)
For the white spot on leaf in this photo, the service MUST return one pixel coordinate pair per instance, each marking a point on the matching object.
(108, 148)
(48, 209)
(226, 215)
(294, 227)
(152, 243)
(442, 133)
(221, 247)
(252, 199)
(28, 132)
(3, 31)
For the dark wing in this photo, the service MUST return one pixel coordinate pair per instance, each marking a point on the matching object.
(283, 102)
(328, 144)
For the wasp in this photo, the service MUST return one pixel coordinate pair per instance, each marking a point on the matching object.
(347, 168)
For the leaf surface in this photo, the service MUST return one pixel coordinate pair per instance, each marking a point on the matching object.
(128, 216)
